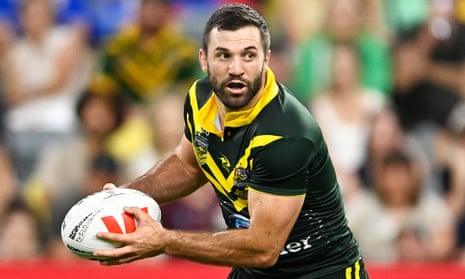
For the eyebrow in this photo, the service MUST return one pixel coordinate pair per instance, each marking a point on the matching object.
(227, 50)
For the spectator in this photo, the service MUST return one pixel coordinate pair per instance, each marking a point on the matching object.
(164, 118)
(345, 23)
(385, 136)
(428, 66)
(450, 156)
(45, 71)
(198, 211)
(102, 167)
(298, 19)
(20, 236)
(7, 175)
(345, 112)
(397, 204)
(149, 57)
(61, 169)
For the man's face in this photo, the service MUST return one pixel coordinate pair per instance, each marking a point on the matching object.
(235, 64)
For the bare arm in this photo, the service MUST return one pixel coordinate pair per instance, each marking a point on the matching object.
(13, 92)
(65, 65)
(70, 57)
(271, 220)
(174, 177)
(448, 75)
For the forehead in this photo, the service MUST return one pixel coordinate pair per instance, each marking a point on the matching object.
(242, 38)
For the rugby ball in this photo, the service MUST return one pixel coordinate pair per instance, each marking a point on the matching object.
(103, 212)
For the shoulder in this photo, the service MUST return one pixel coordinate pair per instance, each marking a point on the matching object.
(199, 92)
(126, 36)
(288, 116)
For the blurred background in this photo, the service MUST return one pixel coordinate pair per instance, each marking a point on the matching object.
(92, 91)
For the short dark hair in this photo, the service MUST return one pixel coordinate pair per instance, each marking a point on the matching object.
(233, 17)
(397, 157)
(114, 101)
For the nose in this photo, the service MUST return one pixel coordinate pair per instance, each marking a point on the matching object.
(235, 67)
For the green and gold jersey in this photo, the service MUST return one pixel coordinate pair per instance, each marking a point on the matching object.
(274, 147)
(143, 69)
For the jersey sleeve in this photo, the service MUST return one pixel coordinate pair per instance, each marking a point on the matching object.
(281, 167)
(188, 115)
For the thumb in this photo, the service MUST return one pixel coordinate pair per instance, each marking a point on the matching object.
(109, 186)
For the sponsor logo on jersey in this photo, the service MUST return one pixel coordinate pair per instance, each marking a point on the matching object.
(296, 246)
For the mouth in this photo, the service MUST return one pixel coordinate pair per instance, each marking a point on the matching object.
(236, 85)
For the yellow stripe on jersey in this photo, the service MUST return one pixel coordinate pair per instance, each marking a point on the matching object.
(195, 107)
(349, 272)
(356, 271)
(225, 185)
(257, 141)
(243, 162)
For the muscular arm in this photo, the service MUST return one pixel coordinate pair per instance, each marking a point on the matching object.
(173, 177)
(271, 220)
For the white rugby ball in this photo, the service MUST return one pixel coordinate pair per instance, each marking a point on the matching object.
(103, 212)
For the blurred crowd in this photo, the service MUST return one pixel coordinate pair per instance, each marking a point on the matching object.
(92, 91)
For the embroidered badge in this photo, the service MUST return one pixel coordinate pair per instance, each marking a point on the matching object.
(201, 146)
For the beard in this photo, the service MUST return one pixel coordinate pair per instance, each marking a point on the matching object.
(233, 102)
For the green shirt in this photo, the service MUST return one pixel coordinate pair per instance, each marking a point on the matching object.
(275, 147)
(313, 60)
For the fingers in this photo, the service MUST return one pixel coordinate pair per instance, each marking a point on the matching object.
(118, 261)
(136, 212)
(114, 254)
(130, 249)
(116, 237)
(109, 186)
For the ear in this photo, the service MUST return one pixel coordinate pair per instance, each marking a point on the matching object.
(203, 60)
(267, 57)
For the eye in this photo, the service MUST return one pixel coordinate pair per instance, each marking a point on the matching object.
(223, 55)
(250, 56)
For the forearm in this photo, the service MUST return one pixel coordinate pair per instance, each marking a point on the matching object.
(257, 246)
(447, 75)
(230, 248)
(168, 180)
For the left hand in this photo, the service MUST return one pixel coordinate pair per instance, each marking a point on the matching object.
(146, 241)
